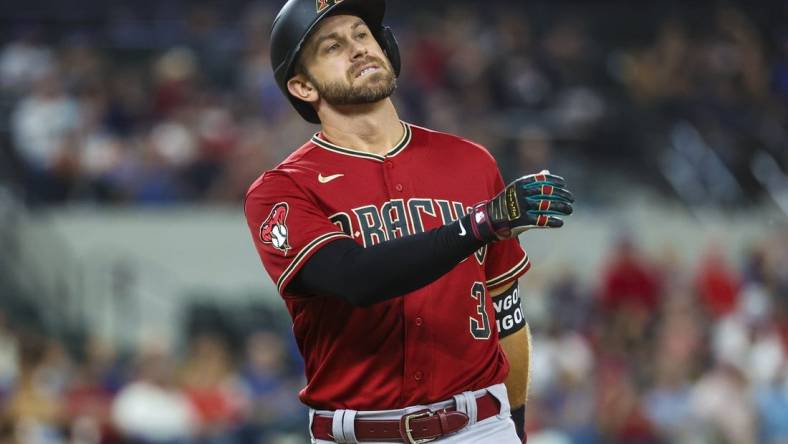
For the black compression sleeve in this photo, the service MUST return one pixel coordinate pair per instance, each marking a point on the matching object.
(365, 276)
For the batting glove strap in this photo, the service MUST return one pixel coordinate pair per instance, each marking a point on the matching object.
(481, 226)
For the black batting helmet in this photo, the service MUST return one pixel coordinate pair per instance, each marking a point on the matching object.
(298, 18)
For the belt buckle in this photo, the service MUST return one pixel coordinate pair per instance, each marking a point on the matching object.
(405, 421)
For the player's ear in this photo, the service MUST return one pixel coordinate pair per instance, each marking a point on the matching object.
(301, 88)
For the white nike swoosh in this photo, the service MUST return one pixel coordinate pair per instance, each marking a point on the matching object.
(328, 179)
(462, 229)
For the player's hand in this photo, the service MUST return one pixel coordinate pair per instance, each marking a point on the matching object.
(533, 201)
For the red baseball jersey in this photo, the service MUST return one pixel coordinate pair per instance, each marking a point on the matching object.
(427, 346)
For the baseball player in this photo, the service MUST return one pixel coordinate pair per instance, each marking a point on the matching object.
(393, 246)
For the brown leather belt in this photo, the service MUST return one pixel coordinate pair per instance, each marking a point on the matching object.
(414, 428)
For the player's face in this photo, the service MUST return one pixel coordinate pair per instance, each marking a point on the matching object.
(345, 63)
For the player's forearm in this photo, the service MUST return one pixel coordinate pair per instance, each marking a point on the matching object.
(518, 352)
(366, 276)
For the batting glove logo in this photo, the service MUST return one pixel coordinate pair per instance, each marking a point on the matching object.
(273, 230)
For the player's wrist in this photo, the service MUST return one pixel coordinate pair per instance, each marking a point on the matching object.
(481, 224)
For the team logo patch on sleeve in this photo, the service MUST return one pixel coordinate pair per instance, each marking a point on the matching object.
(273, 230)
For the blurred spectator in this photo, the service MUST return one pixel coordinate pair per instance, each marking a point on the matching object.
(570, 303)
(772, 403)
(718, 286)
(44, 127)
(88, 399)
(269, 384)
(152, 409)
(244, 163)
(563, 394)
(619, 414)
(720, 402)
(24, 60)
(628, 282)
(34, 410)
(678, 344)
(208, 382)
(128, 101)
(81, 65)
(659, 73)
(175, 76)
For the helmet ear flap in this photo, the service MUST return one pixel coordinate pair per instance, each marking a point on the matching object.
(390, 46)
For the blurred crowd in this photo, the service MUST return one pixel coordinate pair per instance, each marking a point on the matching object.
(175, 102)
(652, 350)
(663, 351)
(215, 388)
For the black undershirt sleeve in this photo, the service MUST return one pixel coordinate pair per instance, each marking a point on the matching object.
(366, 276)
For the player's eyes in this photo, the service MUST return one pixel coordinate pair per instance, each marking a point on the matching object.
(362, 35)
(333, 47)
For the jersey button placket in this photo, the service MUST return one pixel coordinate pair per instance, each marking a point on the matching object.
(388, 176)
(395, 186)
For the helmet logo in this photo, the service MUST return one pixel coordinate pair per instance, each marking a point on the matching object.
(321, 5)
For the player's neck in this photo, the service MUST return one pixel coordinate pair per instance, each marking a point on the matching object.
(373, 128)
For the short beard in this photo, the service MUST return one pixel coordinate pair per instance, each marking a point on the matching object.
(341, 94)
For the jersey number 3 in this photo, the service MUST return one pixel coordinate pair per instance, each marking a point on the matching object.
(480, 329)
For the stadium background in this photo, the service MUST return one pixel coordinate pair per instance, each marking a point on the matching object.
(134, 308)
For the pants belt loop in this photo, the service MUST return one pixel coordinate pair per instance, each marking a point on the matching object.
(311, 419)
(459, 403)
(349, 426)
(466, 403)
(500, 393)
(337, 427)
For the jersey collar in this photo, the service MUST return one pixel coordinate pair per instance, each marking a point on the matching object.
(317, 140)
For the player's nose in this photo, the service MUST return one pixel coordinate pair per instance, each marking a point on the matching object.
(358, 51)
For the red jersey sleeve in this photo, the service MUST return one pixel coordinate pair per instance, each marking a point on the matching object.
(506, 260)
(287, 227)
